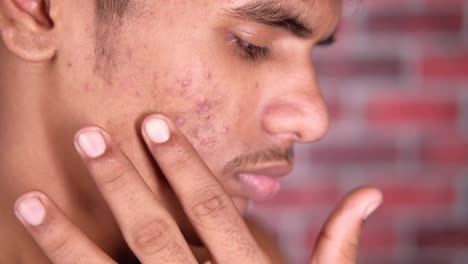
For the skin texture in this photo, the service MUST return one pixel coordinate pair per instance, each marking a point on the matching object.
(174, 58)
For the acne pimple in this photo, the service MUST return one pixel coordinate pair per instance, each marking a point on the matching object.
(187, 80)
(179, 121)
(210, 142)
(196, 133)
(203, 107)
(185, 83)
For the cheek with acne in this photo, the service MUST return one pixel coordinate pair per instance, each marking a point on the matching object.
(199, 112)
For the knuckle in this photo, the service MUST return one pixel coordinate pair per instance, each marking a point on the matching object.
(151, 237)
(116, 179)
(181, 159)
(209, 203)
(60, 247)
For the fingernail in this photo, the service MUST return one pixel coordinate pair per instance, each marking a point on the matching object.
(32, 211)
(371, 209)
(157, 130)
(92, 143)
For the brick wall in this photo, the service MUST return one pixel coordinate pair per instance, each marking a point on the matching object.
(397, 86)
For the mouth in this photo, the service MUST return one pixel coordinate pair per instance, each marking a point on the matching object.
(262, 183)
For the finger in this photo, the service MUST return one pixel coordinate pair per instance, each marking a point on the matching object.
(148, 228)
(206, 203)
(339, 239)
(60, 240)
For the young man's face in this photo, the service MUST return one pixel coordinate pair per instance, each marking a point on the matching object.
(236, 76)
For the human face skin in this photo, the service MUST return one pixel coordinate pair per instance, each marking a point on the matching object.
(185, 59)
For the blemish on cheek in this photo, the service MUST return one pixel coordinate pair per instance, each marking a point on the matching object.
(185, 83)
(196, 133)
(208, 76)
(179, 121)
(69, 64)
(225, 130)
(209, 142)
(203, 106)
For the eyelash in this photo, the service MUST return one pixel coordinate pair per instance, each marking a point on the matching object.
(250, 51)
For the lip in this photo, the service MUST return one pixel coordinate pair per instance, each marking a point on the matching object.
(263, 182)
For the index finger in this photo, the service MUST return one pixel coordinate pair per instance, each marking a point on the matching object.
(206, 203)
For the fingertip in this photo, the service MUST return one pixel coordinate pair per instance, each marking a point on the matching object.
(370, 209)
(370, 198)
(30, 194)
(30, 208)
(156, 128)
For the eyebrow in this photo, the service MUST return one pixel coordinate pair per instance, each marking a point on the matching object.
(273, 14)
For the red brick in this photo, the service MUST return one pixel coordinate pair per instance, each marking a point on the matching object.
(357, 152)
(417, 195)
(454, 66)
(402, 109)
(372, 239)
(445, 153)
(376, 67)
(443, 237)
(444, 4)
(400, 21)
(334, 110)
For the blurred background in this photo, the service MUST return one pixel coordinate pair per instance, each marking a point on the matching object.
(396, 83)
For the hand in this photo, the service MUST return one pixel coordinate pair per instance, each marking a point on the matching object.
(150, 231)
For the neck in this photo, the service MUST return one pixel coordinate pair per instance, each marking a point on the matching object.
(38, 153)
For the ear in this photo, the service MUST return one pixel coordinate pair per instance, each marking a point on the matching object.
(27, 29)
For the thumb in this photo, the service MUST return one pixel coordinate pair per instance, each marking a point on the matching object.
(338, 241)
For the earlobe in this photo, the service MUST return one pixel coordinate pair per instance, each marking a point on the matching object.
(27, 29)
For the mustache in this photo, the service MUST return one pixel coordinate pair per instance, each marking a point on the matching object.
(252, 159)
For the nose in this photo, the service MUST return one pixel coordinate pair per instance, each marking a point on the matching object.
(298, 111)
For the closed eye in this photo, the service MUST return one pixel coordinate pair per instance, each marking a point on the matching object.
(250, 51)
